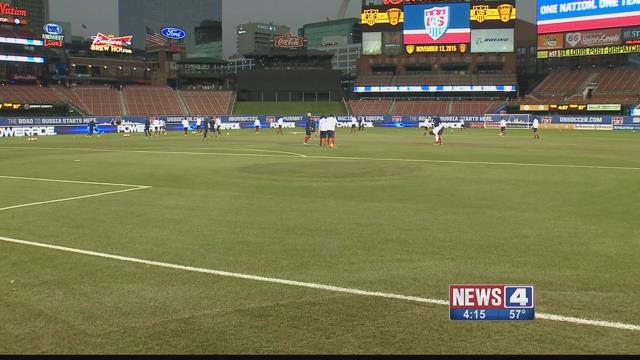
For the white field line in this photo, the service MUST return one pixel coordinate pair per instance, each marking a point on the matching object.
(70, 181)
(132, 188)
(345, 158)
(256, 150)
(542, 316)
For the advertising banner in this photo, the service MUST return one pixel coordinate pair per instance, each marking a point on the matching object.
(445, 23)
(575, 15)
(551, 42)
(608, 50)
(631, 36)
(594, 38)
(492, 41)
(27, 127)
(493, 14)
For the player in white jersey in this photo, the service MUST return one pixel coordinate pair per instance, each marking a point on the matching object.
(257, 125)
(199, 125)
(218, 125)
(280, 126)
(332, 124)
(322, 124)
(185, 126)
(503, 127)
(536, 128)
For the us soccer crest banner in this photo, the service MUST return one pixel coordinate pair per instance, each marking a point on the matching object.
(437, 24)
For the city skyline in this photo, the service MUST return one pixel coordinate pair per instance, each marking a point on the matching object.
(102, 15)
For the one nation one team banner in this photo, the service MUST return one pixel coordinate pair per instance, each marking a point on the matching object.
(556, 16)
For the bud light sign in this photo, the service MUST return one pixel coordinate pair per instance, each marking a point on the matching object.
(173, 33)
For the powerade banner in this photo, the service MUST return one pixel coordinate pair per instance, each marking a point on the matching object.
(23, 127)
(575, 15)
(437, 24)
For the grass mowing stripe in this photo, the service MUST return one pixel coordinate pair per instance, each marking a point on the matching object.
(568, 166)
(542, 316)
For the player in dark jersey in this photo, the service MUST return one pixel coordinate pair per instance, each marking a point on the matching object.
(147, 128)
(310, 129)
(92, 127)
(438, 130)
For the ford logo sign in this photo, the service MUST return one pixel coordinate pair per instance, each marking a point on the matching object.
(53, 29)
(173, 33)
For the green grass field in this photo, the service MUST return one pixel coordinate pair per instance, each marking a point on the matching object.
(289, 108)
(387, 211)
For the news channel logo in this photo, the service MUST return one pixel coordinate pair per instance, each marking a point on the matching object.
(492, 303)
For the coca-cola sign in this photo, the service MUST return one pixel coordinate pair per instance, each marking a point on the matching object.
(288, 42)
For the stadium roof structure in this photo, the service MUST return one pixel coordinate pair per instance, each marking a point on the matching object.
(288, 53)
(204, 60)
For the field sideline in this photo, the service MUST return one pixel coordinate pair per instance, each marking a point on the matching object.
(386, 212)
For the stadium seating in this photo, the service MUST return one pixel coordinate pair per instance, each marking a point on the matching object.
(28, 94)
(622, 80)
(96, 101)
(422, 107)
(370, 107)
(208, 102)
(474, 107)
(561, 83)
(151, 100)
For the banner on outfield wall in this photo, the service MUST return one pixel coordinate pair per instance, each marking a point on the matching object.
(20, 127)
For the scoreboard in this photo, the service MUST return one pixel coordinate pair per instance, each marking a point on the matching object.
(492, 302)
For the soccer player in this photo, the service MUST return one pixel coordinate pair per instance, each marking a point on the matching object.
(360, 124)
(147, 128)
(462, 125)
(199, 125)
(323, 130)
(218, 125)
(310, 128)
(280, 126)
(185, 126)
(354, 125)
(428, 125)
(503, 127)
(92, 127)
(257, 125)
(438, 130)
(206, 127)
(163, 127)
(332, 124)
(536, 128)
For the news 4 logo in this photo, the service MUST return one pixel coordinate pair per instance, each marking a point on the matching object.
(492, 302)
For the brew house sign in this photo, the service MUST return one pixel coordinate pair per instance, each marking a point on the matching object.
(288, 42)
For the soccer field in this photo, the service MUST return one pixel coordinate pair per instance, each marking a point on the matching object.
(255, 244)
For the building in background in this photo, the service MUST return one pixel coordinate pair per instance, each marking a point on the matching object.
(256, 36)
(200, 19)
(38, 13)
(343, 31)
(67, 30)
(342, 38)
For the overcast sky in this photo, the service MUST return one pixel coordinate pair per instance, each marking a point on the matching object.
(102, 15)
